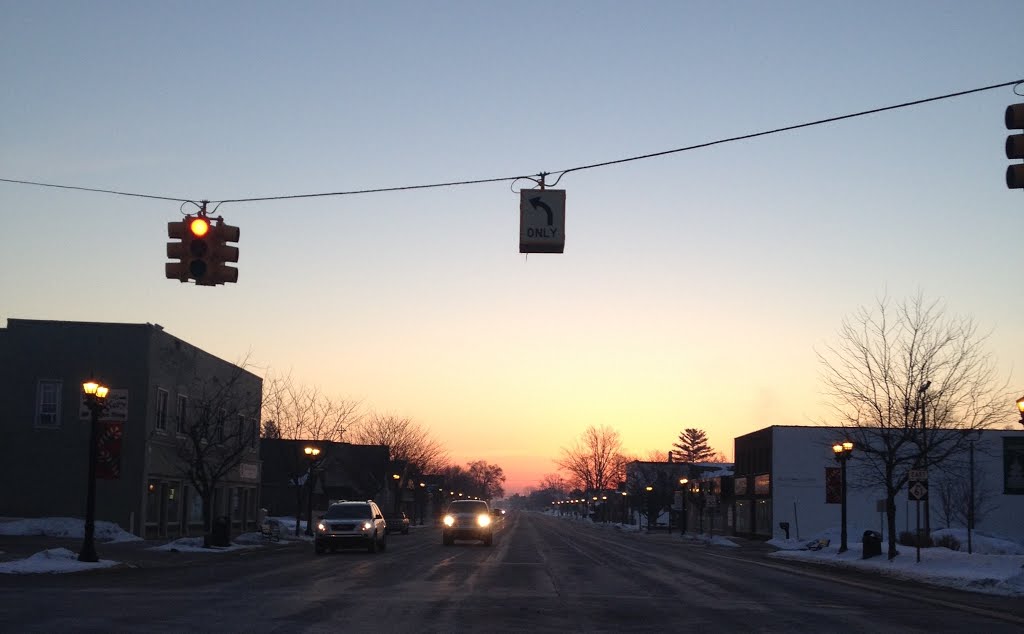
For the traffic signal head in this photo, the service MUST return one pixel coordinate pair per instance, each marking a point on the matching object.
(199, 249)
(178, 249)
(222, 253)
(202, 251)
(1015, 146)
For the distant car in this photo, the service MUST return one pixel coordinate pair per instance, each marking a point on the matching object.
(397, 522)
(468, 519)
(351, 525)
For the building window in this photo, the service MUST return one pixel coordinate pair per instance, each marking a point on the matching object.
(763, 484)
(161, 408)
(242, 435)
(182, 413)
(48, 404)
(254, 432)
(173, 502)
(221, 417)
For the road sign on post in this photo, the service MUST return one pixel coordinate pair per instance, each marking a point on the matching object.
(917, 484)
(541, 221)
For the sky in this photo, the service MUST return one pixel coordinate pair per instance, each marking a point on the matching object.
(694, 288)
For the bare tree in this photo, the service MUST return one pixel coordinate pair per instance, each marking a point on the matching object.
(905, 382)
(407, 441)
(304, 412)
(487, 478)
(693, 446)
(953, 490)
(219, 431)
(595, 462)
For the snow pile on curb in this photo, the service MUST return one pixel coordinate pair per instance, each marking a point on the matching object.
(53, 561)
(65, 527)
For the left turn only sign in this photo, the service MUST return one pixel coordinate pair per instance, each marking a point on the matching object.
(542, 221)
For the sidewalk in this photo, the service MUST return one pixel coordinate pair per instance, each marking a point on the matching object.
(136, 554)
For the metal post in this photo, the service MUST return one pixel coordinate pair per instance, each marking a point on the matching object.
(970, 505)
(88, 552)
(309, 501)
(842, 538)
(918, 540)
(924, 455)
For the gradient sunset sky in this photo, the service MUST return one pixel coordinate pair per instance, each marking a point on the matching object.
(694, 288)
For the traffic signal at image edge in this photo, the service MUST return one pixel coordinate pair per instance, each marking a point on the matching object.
(1015, 146)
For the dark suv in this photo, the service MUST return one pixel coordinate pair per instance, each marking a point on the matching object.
(351, 525)
(468, 519)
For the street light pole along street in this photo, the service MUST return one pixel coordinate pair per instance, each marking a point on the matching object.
(312, 453)
(842, 451)
(95, 397)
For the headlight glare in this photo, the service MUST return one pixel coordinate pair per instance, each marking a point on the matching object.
(321, 527)
(449, 520)
(367, 526)
(483, 520)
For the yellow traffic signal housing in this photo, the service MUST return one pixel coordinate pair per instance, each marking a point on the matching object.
(222, 253)
(201, 250)
(200, 243)
(178, 250)
(1015, 146)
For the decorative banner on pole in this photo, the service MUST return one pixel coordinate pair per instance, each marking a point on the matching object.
(108, 451)
(541, 221)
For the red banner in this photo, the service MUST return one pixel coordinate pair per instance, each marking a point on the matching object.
(108, 450)
(833, 485)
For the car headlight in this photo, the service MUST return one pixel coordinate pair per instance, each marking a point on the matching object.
(449, 520)
(483, 520)
(367, 526)
(321, 527)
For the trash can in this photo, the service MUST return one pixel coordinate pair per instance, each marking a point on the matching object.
(872, 544)
(221, 531)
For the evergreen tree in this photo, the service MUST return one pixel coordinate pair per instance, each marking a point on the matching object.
(693, 445)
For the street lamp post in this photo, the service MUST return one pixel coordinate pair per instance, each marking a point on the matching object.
(312, 453)
(647, 502)
(95, 396)
(972, 437)
(842, 450)
(683, 520)
(923, 391)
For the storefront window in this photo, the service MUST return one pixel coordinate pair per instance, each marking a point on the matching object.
(763, 519)
(195, 511)
(173, 503)
(742, 516)
(763, 484)
(740, 485)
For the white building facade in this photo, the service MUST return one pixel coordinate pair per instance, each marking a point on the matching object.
(789, 475)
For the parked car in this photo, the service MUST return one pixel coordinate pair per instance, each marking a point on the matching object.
(351, 525)
(397, 522)
(468, 519)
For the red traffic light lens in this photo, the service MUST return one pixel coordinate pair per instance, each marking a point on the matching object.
(199, 227)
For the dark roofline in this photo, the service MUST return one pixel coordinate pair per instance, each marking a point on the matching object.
(152, 327)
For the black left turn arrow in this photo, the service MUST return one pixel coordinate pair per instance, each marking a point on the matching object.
(537, 202)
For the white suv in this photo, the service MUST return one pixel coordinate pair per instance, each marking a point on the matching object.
(351, 525)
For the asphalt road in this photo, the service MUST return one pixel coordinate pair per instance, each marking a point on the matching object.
(542, 574)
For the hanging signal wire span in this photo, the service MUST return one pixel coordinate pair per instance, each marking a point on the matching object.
(511, 179)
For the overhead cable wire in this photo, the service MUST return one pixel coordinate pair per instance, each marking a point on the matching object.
(372, 191)
(863, 113)
(561, 173)
(101, 191)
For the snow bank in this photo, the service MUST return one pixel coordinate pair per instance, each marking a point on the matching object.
(65, 527)
(55, 560)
